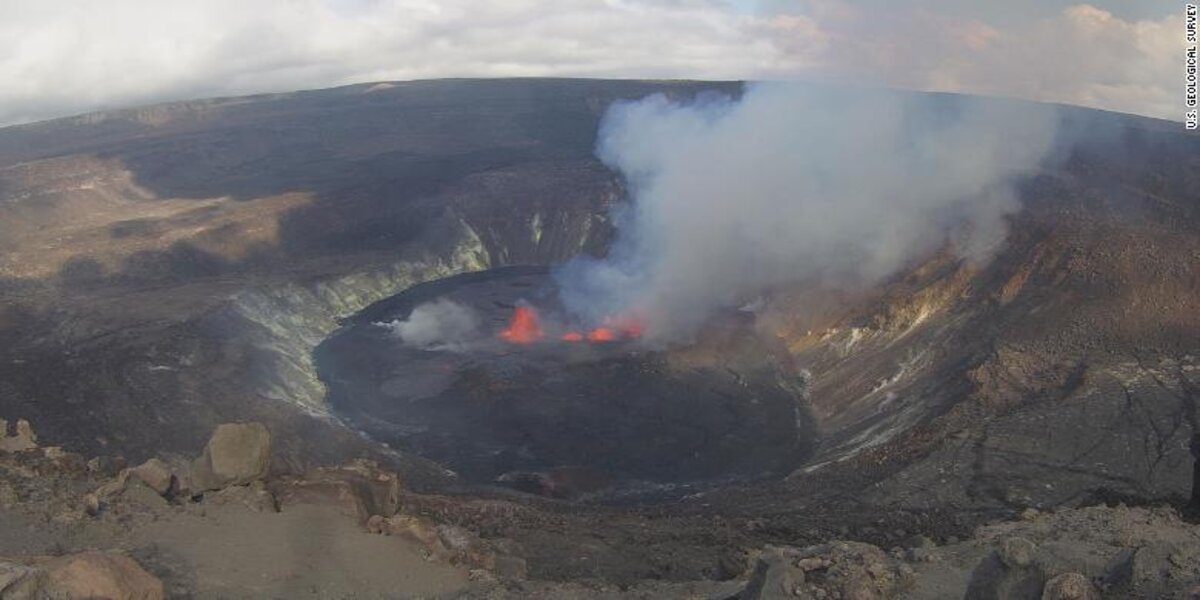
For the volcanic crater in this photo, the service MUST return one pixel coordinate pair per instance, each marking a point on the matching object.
(142, 304)
(560, 412)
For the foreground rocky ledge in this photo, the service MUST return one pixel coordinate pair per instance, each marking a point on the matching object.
(222, 524)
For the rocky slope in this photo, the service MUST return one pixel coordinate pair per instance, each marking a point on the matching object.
(219, 525)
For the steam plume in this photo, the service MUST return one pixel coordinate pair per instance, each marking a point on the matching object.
(438, 325)
(787, 184)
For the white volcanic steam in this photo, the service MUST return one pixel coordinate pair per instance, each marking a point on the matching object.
(733, 197)
(438, 325)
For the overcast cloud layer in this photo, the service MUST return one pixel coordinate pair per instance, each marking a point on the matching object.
(61, 57)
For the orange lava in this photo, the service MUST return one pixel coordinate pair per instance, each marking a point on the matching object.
(601, 334)
(523, 327)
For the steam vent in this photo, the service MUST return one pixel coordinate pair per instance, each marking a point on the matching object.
(548, 409)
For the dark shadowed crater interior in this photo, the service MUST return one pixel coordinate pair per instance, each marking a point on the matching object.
(561, 418)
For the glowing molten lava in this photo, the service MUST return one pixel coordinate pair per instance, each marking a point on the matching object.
(601, 334)
(523, 327)
(612, 329)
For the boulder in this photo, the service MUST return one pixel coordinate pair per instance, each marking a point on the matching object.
(115, 487)
(1155, 568)
(20, 582)
(733, 565)
(774, 577)
(106, 466)
(414, 529)
(1017, 552)
(131, 489)
(846, 570)
(96, 574)
(156, 475)
(454, 544)
(24, 438)
(1011, 572)
(255, 496)
(236, 454)
(1070, 586)
(91, 505)
(360, 490)
(466, 547)
(140, 495)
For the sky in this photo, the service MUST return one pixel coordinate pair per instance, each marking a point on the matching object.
(65, 57)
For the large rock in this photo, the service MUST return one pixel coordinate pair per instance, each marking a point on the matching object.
(156, 475)
(454, 544)
(1017, 553)
(20, 582)
(23, 439)
(466, 547)
(255, 496)
(1070, 586)
(774, 577)
(360, 490)
(97, 575)
(114, 488)
(236, 454)
(846, 570)
(1012, 572)
(413, 529)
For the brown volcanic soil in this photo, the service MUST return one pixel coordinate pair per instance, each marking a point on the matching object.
(163, 270)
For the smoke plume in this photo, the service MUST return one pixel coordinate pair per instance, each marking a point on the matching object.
(438, 325)
(731, 197)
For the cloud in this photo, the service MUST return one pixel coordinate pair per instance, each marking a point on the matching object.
(60, 57)
(1083, 55)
